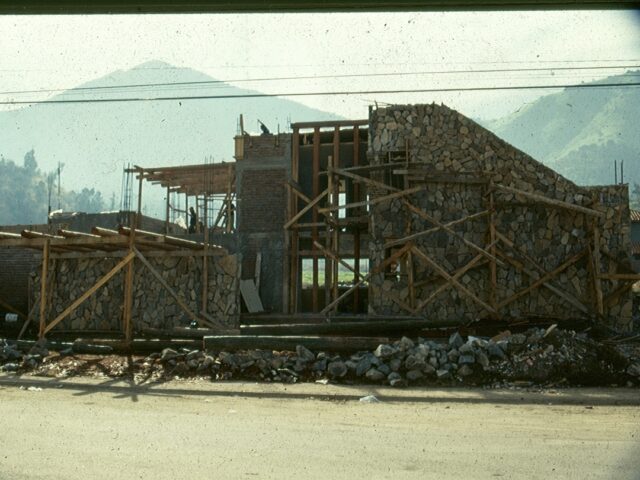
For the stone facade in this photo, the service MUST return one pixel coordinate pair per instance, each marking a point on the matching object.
(442, 143)
(153, 307)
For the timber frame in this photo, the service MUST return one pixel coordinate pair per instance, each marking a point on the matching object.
(130, 245)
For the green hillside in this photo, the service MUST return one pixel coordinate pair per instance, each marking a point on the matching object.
(580, 132)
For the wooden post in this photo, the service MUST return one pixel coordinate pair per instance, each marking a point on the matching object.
(186, 209)
(329, 237)
(43, 288)
(166, 218)
(356, 233)
(314, 213)
(293, 245)
(205, 258)
(125, 261)
(138, 222)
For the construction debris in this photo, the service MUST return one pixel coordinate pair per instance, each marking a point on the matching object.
(536, 356)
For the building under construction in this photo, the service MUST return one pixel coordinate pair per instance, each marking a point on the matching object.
(415, 214)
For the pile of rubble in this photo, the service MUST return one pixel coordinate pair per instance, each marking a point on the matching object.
(539, 356)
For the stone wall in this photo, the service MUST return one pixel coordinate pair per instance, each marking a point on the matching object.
(152, 305)
(443, 142)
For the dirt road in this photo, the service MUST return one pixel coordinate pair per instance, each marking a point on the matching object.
(92, 429)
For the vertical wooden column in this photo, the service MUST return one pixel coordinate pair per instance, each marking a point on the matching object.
(314, 231)
(127, 307)
(356, 232)
(186, 209)
(407, 230)
(43, 287)
(335, 191)
(166, 218)
(138, 221)
(328, 238)
(205, 258)
(230, 214)
(293, 210)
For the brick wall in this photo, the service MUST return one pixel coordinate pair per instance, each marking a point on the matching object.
(263, 201)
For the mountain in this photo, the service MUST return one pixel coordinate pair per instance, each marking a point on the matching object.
(95, 140)
(579, 132)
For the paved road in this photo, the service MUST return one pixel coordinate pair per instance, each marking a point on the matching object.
(91, 429)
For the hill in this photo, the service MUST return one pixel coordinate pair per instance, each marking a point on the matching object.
(95, 140)
(579, 132)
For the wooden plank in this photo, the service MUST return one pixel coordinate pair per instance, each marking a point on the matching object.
(550, 201)
(361, 179)
(350, 328)
(43, 289)
(250, 296)
(172, 292)
(315, 182)
(289, 343)
(308, 207)
(413, 236)
(356, 233)
(425, 216)
(456, 276)
(543, 279)
(104, 279)
(433, 264)
(377, 269)
(12, 309)
(328, 253)
(548, 285)
(374, 201)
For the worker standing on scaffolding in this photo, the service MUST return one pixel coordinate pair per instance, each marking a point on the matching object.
(193, 220)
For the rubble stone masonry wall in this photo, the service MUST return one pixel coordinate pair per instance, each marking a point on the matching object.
(443, 142)
(153, 306)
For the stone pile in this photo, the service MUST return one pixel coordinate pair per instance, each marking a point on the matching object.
(443, 142)
(152, 305)
(536, 355)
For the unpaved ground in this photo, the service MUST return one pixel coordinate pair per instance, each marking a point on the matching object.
(90, 428)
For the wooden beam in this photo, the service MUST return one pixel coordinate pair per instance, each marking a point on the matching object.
(361, 179)
(43, 289)
(377, 269)
(172, 292)
(433, 264)
(328, 253)
(456, 276)
(422, 214)
(89, 292)
(308, 207)
(543, 279)
(548, 285)
(12, 309)
(620, 276)
(550, 201)
(413, 236)
(375, 201)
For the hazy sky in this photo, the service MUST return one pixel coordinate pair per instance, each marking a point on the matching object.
(64, 51)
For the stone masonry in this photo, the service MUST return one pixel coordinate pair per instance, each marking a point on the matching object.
(152, 305)
(441, 141)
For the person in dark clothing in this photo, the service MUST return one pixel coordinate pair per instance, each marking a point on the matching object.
(193, 220)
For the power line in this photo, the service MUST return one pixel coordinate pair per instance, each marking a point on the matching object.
(316, 94)
(313, 77)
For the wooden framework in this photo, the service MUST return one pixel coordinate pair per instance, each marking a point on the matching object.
(128, 243)
(205, 184)
(315, 229)
(497, 251)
